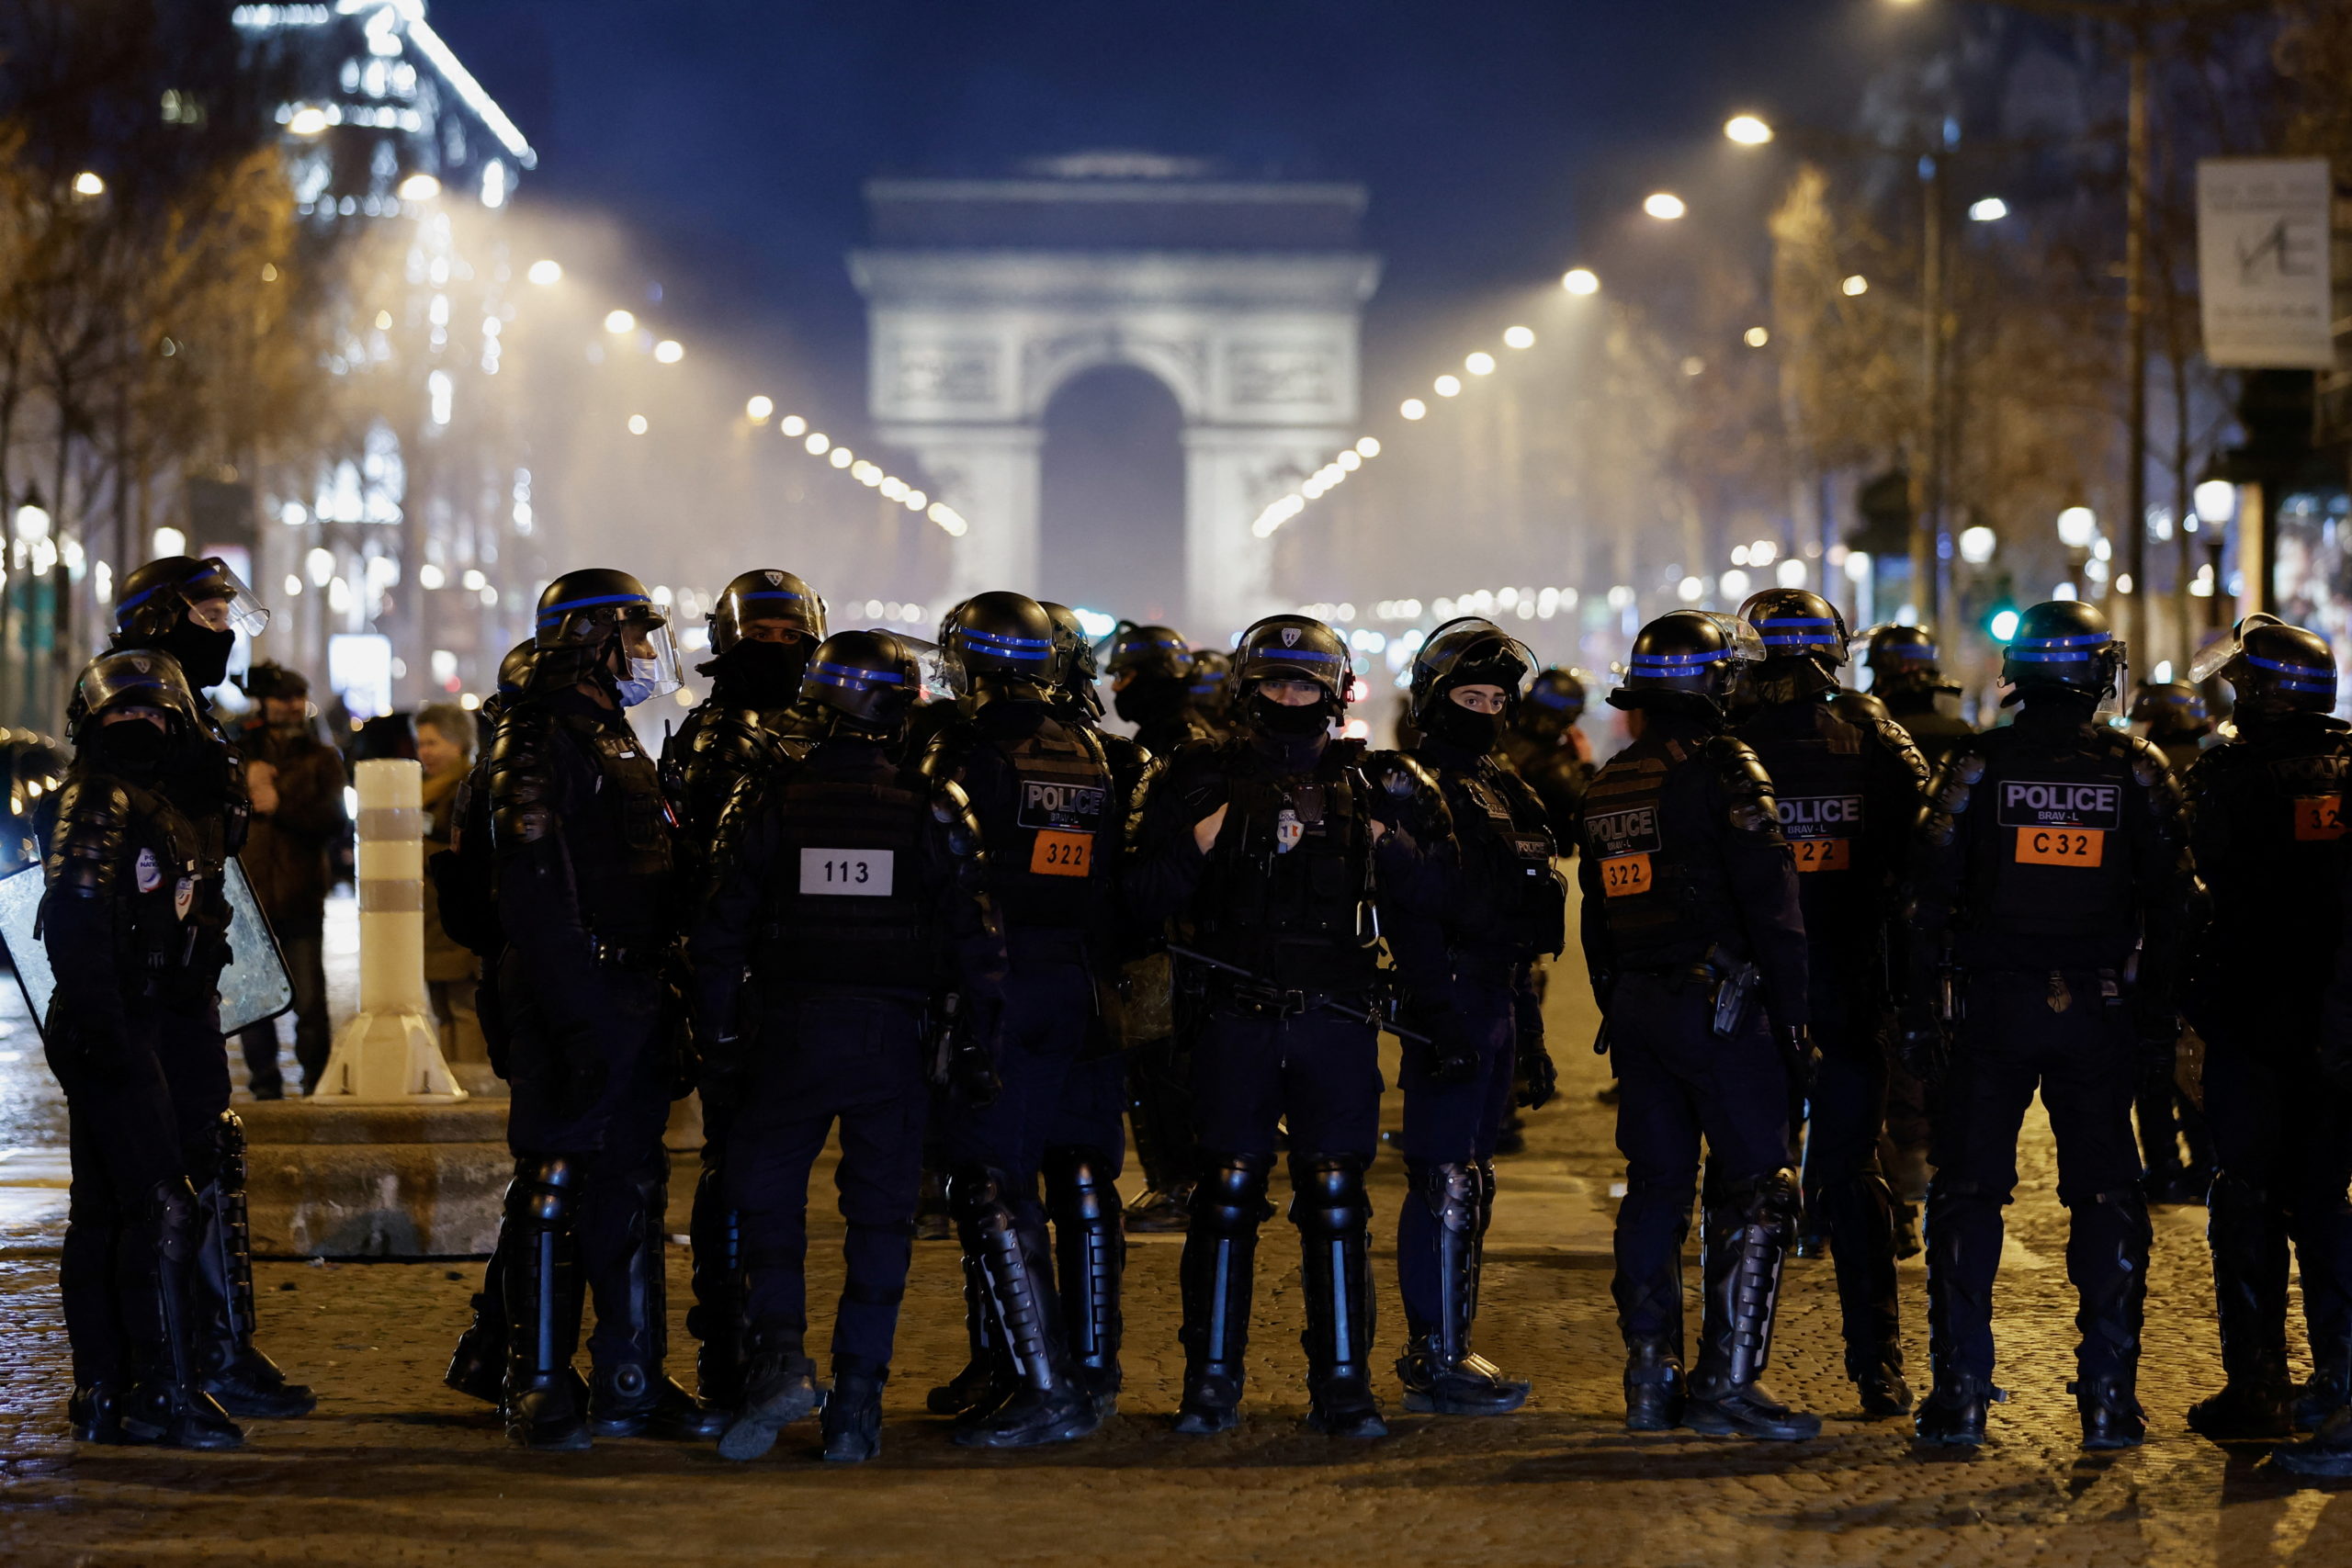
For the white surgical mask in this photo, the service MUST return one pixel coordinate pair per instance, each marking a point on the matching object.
(642, 683)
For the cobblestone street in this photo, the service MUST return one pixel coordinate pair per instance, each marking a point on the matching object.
(395, 1469)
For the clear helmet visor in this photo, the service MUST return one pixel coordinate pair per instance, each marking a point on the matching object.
(651, 657)
(2226, 650)
(736, 614)
(219, 599)
(939, 672)
(137, 678)
(1743, 644)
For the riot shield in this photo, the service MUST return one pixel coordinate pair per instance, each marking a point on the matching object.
(254, 988)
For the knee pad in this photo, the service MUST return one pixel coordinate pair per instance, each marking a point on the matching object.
(975, 1193)
(544, 1193)
(1451, 1191)
(1230, 1199)
(1078, 1184)
(1327, 1196)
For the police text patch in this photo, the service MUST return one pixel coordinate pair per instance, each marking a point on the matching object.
(2025, 802)
(1071, 807)
(1623, 832)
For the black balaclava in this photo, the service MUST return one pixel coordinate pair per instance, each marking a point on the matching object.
(132, 749)
(202, 653)
(1152, 699)
(760, 674)
(1476, 733)
(1292, 737)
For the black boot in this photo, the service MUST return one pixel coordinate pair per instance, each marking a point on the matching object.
(166, 1406)
(1046, 1405)
(853, 1424)
(716, 1320)
(94, 1411)
(2250, 1298)
(478, 1366)
(2328, 1390)
(546, 1401)
(779, 1388)
(2111, 1415)
(1218, 1277)
(1655, 1393)
(1860, 1214)
(986, 1380)
(1746, 1237)
(236, 1375)
(1334, 1218)
(1952, 1416)
(2326, 1453)
(1441, 1373)
(633, 1396)
(1091, 1255)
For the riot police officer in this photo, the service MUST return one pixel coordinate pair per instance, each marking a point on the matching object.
(2265, 815)
(1212, 688)
(2174, 721)
(193, 609)
(588, 902)
(1151, 687)
(1272, 848)
(2051, 891)
(762, 630)
(1849, 793)
(133, 921)
(854, 893)
(1045, 796)
(1691, 909)
(2172, 715)
(1906, 676)
(1546, 749)
(1465, 937)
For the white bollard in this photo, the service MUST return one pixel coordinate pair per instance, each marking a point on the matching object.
(391, 1048)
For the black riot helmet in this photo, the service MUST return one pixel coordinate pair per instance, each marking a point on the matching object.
(1003, 635)
(1210, 684)
(869, 679)
(157, 596)
(1291, 648)
(1688, 661)
(600, 623)
(1804, 642)
(1469, 651)
(2171, 708)
(1143, 651)
(1554, 702)
(131, 678)
(1076, 667)
(2272, 668)
(1895, 654)
(2063, 644)
(768, 596)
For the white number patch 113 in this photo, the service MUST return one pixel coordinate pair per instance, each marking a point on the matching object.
(851, 873)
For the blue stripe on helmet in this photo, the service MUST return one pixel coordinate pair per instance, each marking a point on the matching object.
(1302, 655)
(2050, 658)
(2082, 640)
(553, 611)
(1027, 648)
(2314, 671)
(851, 674)
(771, 593)
(1673, 663)
(1550, 698)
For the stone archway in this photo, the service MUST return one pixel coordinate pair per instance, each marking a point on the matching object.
(984, 297)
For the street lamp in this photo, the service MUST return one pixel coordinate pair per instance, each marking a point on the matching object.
(1664, 205)
(2077, 527)
(1580, 280)
(1990, 209)
(1977, 545)
(87, 183)
(418, 187)
(545, 272)
(620, 322)
(1748, 130)
(2217, 500)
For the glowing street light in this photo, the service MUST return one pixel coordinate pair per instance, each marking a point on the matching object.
(2217, 500)
(619, 321)
(1413, 408)
(1448, 386)
(1748, 130)
(1755, 338)
(668, 351)
(308, 121)
(817, 443)
(636, 425)
(1855, 286)
(1664, 205)
(2077, 527)
(418, 187)
(758, 409)
(1480, 364)
(791, 425)
(1519, 337)
(1991, 209)
(1977, 545)
(1369, 446)
(87, 183)
(1580, 280)
(546, 273)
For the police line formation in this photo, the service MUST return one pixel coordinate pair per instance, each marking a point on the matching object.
(913, 892)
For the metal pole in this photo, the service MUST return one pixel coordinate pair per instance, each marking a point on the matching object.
(1928, 527)
(2135, 627)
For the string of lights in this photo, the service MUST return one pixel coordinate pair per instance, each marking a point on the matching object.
(1479, 363)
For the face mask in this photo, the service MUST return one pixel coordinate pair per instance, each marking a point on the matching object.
(642, 683)
(203, 653)
(1275, 719)
(134, 746)
(1477, 733)
(768, 673)
(1147, 699)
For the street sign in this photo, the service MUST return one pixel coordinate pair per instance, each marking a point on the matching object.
(2263, 267)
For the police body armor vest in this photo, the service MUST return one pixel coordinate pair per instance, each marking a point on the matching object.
(846, 905)
(170, 916)
(1513, 898)
(1052, 855)
(1819, 772)
(1665, 901)
(724, 745)
(2052, 860)
(2280, 896)
(622, 861)
(1292, 869)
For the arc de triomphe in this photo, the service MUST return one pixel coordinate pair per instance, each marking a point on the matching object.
(1245, 298)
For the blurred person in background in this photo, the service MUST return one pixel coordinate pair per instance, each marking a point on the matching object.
(446, 734)
(296, 781)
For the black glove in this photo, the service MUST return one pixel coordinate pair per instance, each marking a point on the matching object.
(1923, 1044)
(1538, 1078)
(1799, 1054)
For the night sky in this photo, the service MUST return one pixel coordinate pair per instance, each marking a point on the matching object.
(732, 137)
